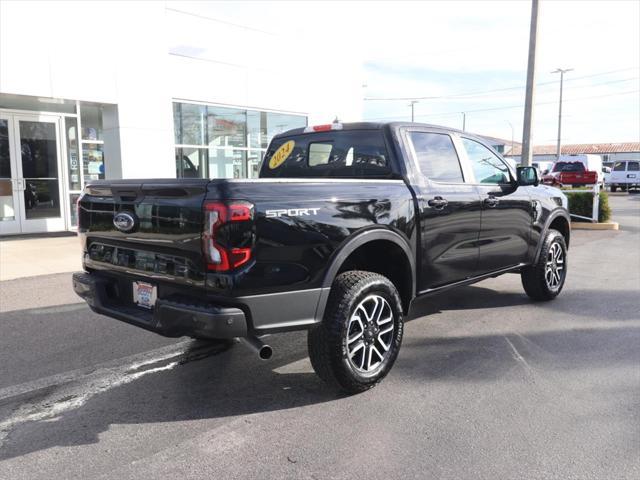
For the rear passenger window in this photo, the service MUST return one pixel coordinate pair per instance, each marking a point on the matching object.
(436, 156)
(487, 167)
(633, 166)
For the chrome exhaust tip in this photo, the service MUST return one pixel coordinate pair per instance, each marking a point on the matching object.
(264, 351)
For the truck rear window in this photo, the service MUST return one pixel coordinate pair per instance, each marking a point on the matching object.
(568, 167)
(340, 154)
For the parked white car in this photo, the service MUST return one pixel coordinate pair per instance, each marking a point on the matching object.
(625, 175)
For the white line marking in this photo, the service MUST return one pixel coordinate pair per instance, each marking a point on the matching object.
(72, 396)
(75, 388)
(135, 361)
(519, 358)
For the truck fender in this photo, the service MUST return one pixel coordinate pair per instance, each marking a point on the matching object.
(347, 249)
(552, 216)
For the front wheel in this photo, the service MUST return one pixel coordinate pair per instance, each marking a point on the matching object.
(544, 279)
(358, 341)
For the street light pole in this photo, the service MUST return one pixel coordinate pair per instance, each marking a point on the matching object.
(464, 121)
(411, 104)
(530, 94)
(561, 72)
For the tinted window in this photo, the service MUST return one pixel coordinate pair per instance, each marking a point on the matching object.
(568, 167)
(633, 166)
(342, 154)
(619, 166)
(487, 167)
(436, 156)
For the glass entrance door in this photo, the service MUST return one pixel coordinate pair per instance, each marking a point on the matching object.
(9, 192)
(34, 172)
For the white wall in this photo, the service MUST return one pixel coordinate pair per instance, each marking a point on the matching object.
(140, 55)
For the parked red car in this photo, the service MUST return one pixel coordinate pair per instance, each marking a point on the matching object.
(570, 173)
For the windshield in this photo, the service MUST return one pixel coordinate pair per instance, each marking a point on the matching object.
(341, 154)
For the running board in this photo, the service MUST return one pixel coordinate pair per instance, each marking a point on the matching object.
(470, 280)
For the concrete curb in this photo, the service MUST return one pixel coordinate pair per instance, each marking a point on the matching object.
(595, 226)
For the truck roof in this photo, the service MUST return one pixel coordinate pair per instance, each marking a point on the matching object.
(373, 126)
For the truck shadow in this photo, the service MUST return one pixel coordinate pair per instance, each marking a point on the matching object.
(234, 382)
(600, 304)
(465, 298)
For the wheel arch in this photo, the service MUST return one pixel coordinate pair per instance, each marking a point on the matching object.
(379, 250)
(558, 220)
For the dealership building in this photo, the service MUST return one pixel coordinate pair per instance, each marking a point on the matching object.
(168, 92)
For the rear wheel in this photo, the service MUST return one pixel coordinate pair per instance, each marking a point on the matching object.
(358, 341)
(544, 280)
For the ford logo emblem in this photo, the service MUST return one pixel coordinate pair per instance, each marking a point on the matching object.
(125, 221)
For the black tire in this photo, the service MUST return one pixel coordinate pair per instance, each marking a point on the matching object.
(329, 349)
(536, 278)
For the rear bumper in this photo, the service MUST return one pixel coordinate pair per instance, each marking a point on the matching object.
(168, 318)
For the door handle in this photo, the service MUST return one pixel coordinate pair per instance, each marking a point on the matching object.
(491, 202)
(438, 203)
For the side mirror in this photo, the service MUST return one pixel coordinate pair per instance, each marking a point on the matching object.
(528, 176)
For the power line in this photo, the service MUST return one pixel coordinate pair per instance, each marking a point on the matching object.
(443, 114)
(484, 92)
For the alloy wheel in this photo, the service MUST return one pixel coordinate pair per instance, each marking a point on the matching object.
(554, 267)
(370, 333)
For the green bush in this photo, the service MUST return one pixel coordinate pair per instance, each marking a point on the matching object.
(582, 204)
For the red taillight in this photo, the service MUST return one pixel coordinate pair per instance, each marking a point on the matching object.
(219, 257)
(240, 212)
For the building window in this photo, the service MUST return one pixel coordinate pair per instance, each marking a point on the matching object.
(85, 151)
(222, 142)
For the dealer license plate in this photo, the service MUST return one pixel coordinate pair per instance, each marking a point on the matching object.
(144, 294)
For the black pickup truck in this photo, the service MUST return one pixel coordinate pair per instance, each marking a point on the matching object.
(346, 226)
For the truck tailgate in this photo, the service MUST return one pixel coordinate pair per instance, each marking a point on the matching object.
(166, 221)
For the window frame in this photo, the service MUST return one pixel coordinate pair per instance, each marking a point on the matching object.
(464, 170)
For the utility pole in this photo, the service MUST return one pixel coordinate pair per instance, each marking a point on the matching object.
(411, 104)
(561, 72)
(525, 158)
(464, 121)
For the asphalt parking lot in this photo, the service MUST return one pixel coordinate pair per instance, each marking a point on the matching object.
(487, 385)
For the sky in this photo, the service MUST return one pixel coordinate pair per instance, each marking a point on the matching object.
(472, 56)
